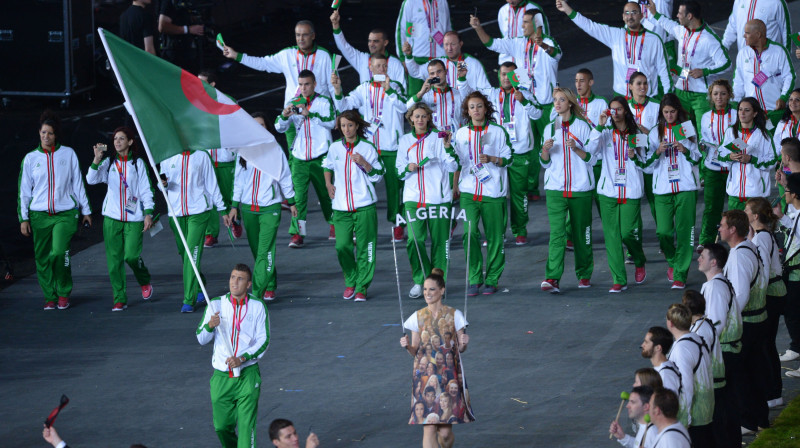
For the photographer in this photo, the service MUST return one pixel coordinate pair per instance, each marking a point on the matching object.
(180, 43)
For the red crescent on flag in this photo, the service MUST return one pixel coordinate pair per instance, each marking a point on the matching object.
(196, 94)
(682, 131)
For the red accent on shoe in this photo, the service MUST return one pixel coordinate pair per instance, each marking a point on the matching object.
(398, 234)
(269, 295)
(210, 241)
(63, 303)
(360, 297)
(332, 233)
(119, 307)
(570, 246)
(670, 272)
(584, 283)
(296, 241)
(147, 292)
(49, 305)
(639, 275)
(236, 229)
(349, 292)
(678, 285)
(617, 288)
(550, 285)
(521, 240)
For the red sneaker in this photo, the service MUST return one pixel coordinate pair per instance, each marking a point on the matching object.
(521, 240)
(63, 303)
(398, 234)
(349, 293)
(570, 246)
(678, 285)
(119, 307)
(48, 306)
(296, 242)
(210, 241)
(332, 233)
(617, 288)
(236, 229)
(639, 275)
(584, 283)
(147, 292)
(550, 285)
(269, 295)
(670, 271)
(360, 297)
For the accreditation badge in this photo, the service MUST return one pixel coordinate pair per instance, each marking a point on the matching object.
(760, 78)
(131, 204)
(512, 135)
(620, 179)
(480, 172)
(684, 73)
(674, 173)
(374, 124)
(631, 70)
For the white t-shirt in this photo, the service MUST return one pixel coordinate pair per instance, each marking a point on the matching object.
(412, 324)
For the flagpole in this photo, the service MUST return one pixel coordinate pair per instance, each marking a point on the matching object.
(160, 185)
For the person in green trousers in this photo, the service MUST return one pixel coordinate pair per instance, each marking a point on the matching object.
(674, 159)
(127, 211)
(351, 167)
(51, 196)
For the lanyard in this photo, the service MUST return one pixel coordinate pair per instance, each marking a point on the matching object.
(431, 13)
(751, 12)
(476, 148)
(443, 106)
(530, 61)
(686, 41)
(513, 103)
(746, 134)
(718, 132)
(513, 15)
(376, 98)
(237, 322)
(619, 146)
(673, 153)
(793, 129)
(639, 111)
(305, 61)
(631, 46)
(119, 171)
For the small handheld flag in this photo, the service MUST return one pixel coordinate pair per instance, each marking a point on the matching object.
(299, 101)
(335, 61)
(220, 42)
(637, 140)
(513, 78)
(684, 131)
(54, 413)
(524, 81)
(795, 37)
(737, 145)
(336, 4)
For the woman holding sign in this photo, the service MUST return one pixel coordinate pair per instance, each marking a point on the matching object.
(351, 167)
(127, 210)
(425, 160)
(484, 153)
(674, 156)
(751, 153)
(569, 185)
(620, 189)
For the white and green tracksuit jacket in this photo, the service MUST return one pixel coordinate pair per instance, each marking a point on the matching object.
(51, 182)
(126, 179)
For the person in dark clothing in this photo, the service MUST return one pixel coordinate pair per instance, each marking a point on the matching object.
(136, 26)
(181, 43)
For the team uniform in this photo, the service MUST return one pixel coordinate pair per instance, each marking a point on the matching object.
(308, 151)
(713, 125)
(592, 105)
(636, 442)
(620, 189)
(383, 109)
(773, 13)
(426, 192)
(641, 51)
(445, 104)
(484, 187)
(663, 7)
(192, 191)
(234, 400)
(223, 160)
(509, 19)
(675, 182)
(360, 61)
(646, 116)
(476, 73)
(422, 23)
(569, 183)
(258, 198)
(700, 48)
(354, 209)
(670, 376)
(51, 195)
(128, 200)
(673, 436)
(748, 180)
(767, 77)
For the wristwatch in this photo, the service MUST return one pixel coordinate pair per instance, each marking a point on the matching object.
(242, 359)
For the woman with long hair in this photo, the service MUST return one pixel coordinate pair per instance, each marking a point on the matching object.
(620, 189)
(569, 184)
(257, 200)
(748, 148)
(127, 210)
(674, 159)
(351, 167)
(713, 125)
(645, 113)
(424, 164)
(428, 318)
(51, 196)
(763, 223)
(789, 125)
(417, 413)
(484, 152)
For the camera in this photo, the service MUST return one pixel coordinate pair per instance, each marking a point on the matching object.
(295, 109)
(102, 147)
(379, 78)
(434, 80)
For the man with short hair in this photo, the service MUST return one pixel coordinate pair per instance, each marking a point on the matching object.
(236, 381)
(723, 311)
(442, 99)
(772, 12)
(763, 71)
(181, 38)
(638, 405)
(790, 163)
(791, 267)
(429, 398)
(592, 105)
(476, 73)
(509, 20)
(663, 414)
(136, 26)
(283, 435)
(746, 273)
(377, 42)
(657, 343)
(633, 48)
(313, 116)
(422, 24)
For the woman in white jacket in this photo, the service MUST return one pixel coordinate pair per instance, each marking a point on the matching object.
(424, 163)
(569, 184)
(674, 160)
(127, 210)
(620, 189)
(257, 200)
(351, 168)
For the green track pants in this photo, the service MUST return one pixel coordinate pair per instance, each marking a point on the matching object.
(579, 207)
(734, 203)
(695, 104)
(622, 224)
(234, 405)
(420, 224)
(677, 216)
(394, 186)
(538, 138)
(713, 202)
(491, 212)
(194, 229)
(358, 267)
(224, 172)
(123, 242)
(51, 239)
(262, 229)
(303, 173)
(518, 191)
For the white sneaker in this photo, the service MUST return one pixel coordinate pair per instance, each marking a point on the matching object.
(790, 355)
(416, 292)
(793, 373)
(747, 432)
(775, 403)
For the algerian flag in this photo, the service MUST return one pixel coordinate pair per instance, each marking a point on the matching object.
(684, 131)
(409, 29)
(175, 110)
(299, 101)
(737, 145)
(795, 38)
(523, 80)
(335, 61)
(336, 4)
(637, 140)
(220, 42)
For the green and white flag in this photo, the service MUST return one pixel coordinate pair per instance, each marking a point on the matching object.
(175, 110)
(637, 141)
(336, 4)
(737, 145)
(684, 131)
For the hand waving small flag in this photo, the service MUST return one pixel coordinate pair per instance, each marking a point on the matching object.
(336, 4)
(637, 140)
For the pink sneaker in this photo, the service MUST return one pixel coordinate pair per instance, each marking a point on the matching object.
(349, 293)
(119, 307)
(63, 303)
(550, 285)
(49, 306)
(639, 275)
(678, 285)
(584, 283)
(398, 234)
(147, 292)
(670, 271)
(296, 242)
(360, 297)
(332, 233)
(269, 295)
(236, 229)
(210, 241)
(617, 288)
(521, 240)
